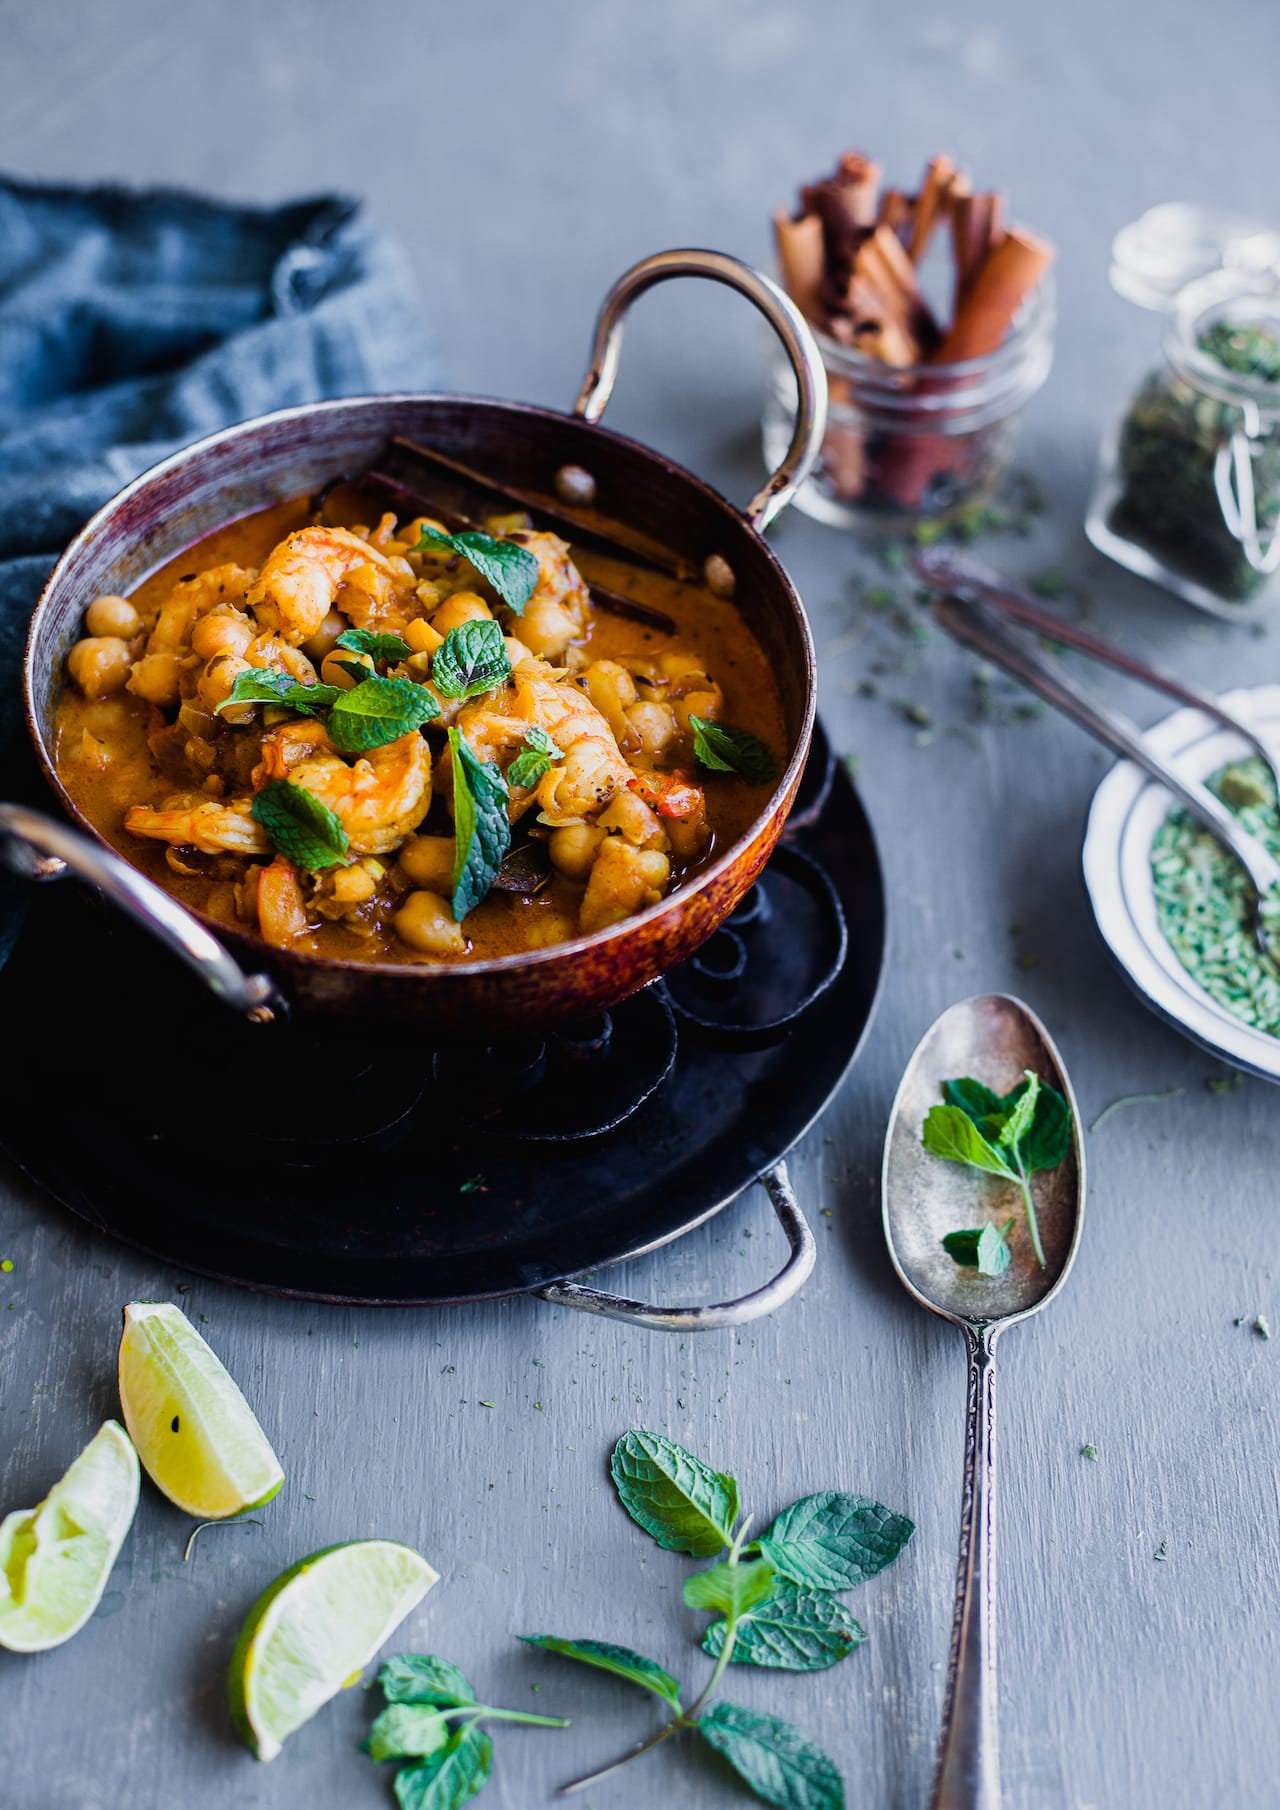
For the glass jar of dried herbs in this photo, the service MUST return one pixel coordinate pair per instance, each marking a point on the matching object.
(1188, 486)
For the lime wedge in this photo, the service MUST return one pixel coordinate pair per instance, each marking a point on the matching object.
(55, 1560)
(195, 1433)
(314, 1630)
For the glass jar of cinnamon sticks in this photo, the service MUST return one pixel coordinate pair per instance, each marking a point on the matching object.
(923, 413)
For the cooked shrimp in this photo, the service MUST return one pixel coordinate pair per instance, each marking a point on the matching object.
(281, 912)
(304, 575)
(593, 769)
(623, 880)
(157, 676)
(378, 799)
(212, 826)
(558, 610)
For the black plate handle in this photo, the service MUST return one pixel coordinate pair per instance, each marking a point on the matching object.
(794, 1273)
(782, 315)
(40, 848)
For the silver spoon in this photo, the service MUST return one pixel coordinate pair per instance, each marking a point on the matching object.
(994, 1039)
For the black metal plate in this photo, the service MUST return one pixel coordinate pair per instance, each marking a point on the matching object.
(284, 1164)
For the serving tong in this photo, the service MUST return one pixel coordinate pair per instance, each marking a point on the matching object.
(974, 599)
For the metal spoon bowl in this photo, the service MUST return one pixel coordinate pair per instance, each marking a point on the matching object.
(995, 1039)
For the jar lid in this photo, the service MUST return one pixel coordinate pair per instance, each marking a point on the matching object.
(1171, 245)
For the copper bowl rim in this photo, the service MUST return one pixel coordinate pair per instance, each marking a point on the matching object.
(780, 798)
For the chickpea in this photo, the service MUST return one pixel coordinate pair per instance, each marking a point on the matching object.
(156, 678)
(517, 652)
(698, 703)
(353, 885)
(422, 638)
(111, 615)
(428, 861)
(331, 672)
(655, 724)
(463, 606)
(573, 849)
(99, 665)
(632, 818)
(321, 643)
(547, 628)
(217, 682)
(425, 922)
(222, 631)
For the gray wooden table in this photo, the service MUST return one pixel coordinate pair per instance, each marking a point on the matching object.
(527, 154)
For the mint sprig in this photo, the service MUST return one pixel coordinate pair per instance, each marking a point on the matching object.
(300, 825)
(679, 1501)
(984, 1248)
(269, 685)
(432, 1719)
(378, 711)
(371, 713)
(481, 826)
(510, 568)
(766, 1617)
(537, 754)
(377, 646)
(793, 1630)
(723, 749)
(622, 1662)
(1009, 1135)
(471, 659)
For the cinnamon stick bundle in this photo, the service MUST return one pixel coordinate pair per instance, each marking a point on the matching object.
(850, 259)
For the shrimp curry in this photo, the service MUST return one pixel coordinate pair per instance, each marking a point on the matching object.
(371, 740)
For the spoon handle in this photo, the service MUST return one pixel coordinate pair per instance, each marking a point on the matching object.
(967, 1776)
(969, 626)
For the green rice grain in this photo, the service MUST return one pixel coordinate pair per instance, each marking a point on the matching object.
(1205, 903)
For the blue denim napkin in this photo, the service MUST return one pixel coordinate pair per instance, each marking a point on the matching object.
(132, 323)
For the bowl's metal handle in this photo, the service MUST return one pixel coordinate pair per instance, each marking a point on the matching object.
(782, 315)
(41, 848)
(772, 1295)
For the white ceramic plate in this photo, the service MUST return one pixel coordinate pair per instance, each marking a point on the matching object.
(1128, 808)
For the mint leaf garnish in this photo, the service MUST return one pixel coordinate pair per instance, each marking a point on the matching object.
(449, 1778)
(792, 1630)
(510, 568)
(778, 1763)
(724, 749)
(268, 685)
(834, 1541)
(406, 1731)
(733, 1589)
(378, 647)
(377, 711)
(471, 659)
(422, 1678)
(621, 1661)
(304, 829)
(534, 759)
(481, 827)
(679, 1501)
(1011, 1135)
(952, 1134)
(982, 1248)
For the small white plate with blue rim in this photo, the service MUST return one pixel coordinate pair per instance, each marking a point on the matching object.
(1127, 811)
